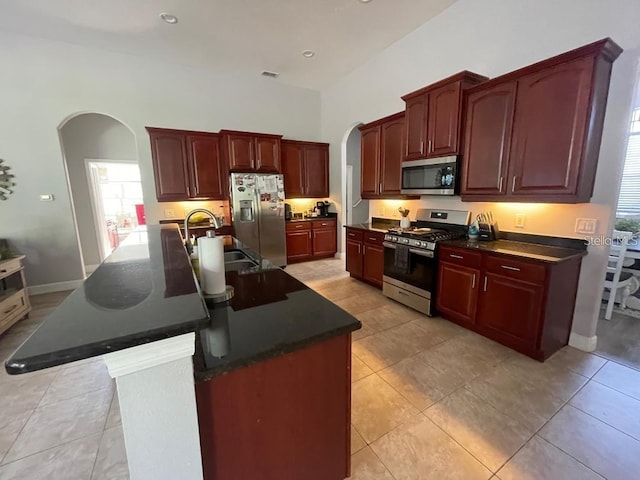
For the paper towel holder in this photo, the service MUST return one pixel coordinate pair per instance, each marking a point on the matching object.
(219, 297)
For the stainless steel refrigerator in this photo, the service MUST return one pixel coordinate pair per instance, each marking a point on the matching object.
(257, 200)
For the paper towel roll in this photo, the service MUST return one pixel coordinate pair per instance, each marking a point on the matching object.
(211, 252)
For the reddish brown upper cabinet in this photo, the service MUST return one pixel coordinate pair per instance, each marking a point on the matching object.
(533, 135)
(434, 116)
(305, 166)
(382, 149)
(187, 165)
(251, 152)
(523, 303)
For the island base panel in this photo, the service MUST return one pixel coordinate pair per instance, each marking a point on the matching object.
(287, 417)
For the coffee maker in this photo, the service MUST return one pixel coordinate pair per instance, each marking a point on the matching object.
(322, 209)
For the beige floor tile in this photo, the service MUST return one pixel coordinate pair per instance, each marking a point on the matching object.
(376, 408)
(602, 448)
(111, 462)
(363, 332)
(359, 369)
(527, 401)
(623, 379)
(9, 431)
(419, 383)
(357, 442)
(365, 465)
(114, 418)
(19, 393)
(72, 460)
(540, 460)
(336, 293)
(486, 433)
(419, 450)
(54, 424)
(388, 316)
(577, 361)
(78, 380)
(612, 407)
(378, 351)
(361, 302)
(418, 335)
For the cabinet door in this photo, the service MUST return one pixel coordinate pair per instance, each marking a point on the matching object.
(325, 242)
(241, 152)
(267, 154)
(551, 119)
(373, 263)
(354, 258)
(443, 124)
(501, 309)
(458, 292)
(316, 168)
(370, 162)
(392, 151)
(293, 169)
(169, 156)
(487, 140)
(208, 174)
(299, 245)
(416, 130)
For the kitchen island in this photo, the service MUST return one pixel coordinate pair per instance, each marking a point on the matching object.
(280, 351)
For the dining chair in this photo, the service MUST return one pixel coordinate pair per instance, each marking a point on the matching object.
(616, 279)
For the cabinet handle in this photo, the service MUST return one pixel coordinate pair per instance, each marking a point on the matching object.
(373, 238)
(11, 309)
(515, 269)
(380, 188)
(352, 234)
(460, 257)
(430, 147)
(485, 283)
(4, 270)
(500, 184)
(421, 146)
(299, 226)
(473, 282)
(324, 224)
(513, 184)
(309, 235)
(358, 249)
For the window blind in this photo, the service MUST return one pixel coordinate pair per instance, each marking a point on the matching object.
(629, 198)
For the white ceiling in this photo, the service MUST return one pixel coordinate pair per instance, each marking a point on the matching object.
(244, 36)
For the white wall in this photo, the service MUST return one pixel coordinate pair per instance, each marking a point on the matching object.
(44, 82)
(92, 136)
(493, 37)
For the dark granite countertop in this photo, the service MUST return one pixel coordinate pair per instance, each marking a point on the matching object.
(145, 291)
(331, 216)
(270, 314)
(376, 225)
(534, 251)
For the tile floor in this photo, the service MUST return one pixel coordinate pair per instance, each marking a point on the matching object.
(430, 400)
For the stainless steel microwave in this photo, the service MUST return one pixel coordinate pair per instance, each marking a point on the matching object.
(430, 176)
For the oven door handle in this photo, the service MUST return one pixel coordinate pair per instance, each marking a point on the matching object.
(415, 251)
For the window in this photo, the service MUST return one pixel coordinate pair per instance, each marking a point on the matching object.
(629, 199)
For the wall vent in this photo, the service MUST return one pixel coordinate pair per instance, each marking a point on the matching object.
(267, 73)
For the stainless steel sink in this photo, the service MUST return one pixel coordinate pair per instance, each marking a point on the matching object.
(239, 265)
(234, 255)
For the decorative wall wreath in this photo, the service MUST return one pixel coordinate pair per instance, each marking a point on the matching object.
(5, 181)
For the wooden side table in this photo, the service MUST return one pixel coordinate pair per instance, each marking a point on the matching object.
(14, 300)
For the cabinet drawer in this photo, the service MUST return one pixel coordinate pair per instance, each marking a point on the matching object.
(7, 267)
(354, 234)
(297, 226)
(319, 224)
(12, 305)
(520, 270)
(375, 238)
(460, 256)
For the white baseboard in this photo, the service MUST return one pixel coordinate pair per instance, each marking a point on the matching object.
(341, 255)
(54, 287)
(586, 344)
(89, 269)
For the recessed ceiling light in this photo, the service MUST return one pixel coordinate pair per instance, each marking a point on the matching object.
(308, 53)
(169, 18)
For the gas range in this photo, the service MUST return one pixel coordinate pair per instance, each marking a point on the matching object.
(423, 238)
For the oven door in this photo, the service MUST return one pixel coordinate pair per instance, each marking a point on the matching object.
(422, 271)
(431, 176)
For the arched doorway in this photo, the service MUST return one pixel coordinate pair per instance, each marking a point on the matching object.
(354, 209)
(101, 162)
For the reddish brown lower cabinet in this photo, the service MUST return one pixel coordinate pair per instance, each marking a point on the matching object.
(523, 303)
(287, 417)
(365, 255)
(310, 240)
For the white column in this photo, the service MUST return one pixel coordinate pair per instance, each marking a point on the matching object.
(158, 408)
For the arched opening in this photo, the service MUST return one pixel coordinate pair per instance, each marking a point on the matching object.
(101, 163)
(354, 209)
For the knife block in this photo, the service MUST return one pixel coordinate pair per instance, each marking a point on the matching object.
(488, 232)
